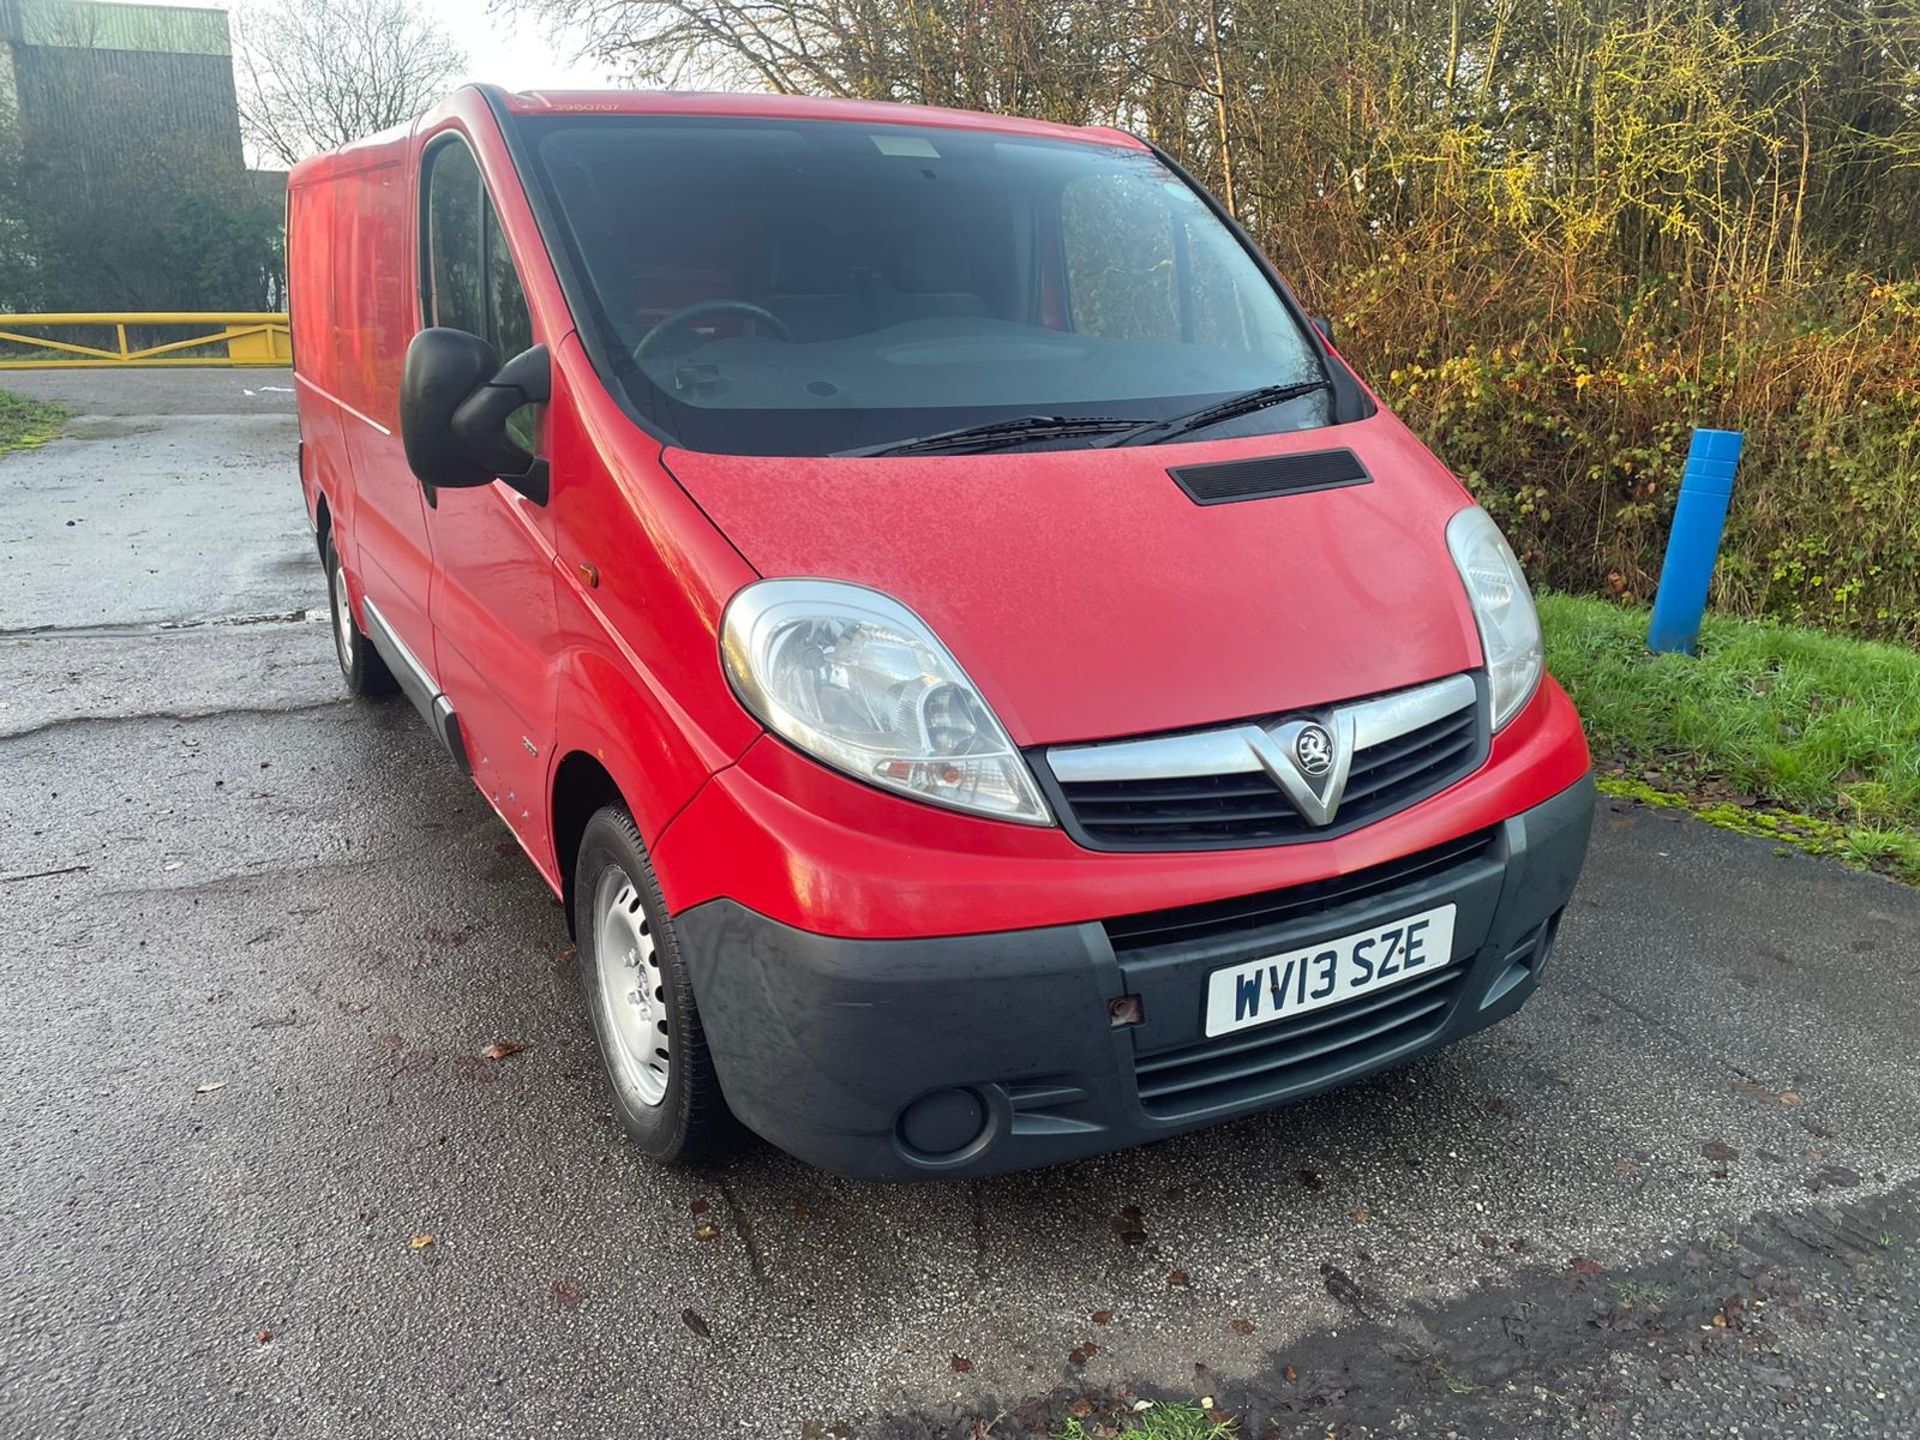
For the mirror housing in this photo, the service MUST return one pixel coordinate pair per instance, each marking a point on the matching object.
(443, 367)
(454, 409)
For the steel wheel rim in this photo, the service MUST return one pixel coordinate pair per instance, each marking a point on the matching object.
(342, 618)
(633, 989)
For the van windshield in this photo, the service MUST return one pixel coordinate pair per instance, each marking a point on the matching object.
(807, 287)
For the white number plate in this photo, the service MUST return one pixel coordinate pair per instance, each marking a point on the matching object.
(1258, 992)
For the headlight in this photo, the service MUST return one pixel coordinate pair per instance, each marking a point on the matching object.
(856, 679)
(1503, 606)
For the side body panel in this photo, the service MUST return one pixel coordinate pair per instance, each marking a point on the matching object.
(640, 687)
(540, 662)
(325, 475)
(349, 295)
(492, 601)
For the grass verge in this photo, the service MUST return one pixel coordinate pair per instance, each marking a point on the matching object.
(1162, 1422)
(1807, 739)
(25, 423)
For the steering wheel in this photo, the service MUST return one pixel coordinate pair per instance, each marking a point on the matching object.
(762, 320)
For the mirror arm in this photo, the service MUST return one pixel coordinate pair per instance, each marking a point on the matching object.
(480, 422)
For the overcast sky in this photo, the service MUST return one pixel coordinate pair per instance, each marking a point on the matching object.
(516, 53)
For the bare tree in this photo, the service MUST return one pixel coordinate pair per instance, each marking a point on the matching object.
(316, 74)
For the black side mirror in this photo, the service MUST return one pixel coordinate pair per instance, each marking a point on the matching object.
(455, 408)
(443, 368)
(1324, 326)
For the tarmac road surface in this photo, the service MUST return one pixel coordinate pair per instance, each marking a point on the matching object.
(258, 941)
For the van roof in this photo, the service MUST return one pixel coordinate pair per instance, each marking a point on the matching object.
(798, 107)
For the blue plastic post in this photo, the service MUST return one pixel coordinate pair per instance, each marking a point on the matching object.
(1694, 545)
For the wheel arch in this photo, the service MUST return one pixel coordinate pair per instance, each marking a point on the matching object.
(582, 785)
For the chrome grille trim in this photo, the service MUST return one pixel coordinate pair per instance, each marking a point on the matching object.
(1231, 751)
(1242, 785)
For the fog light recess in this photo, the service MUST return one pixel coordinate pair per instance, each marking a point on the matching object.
(943, 1123)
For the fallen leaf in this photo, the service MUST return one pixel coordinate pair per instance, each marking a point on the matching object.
(210, 1087)
(1360, 1215)
(1080, 1408)
(1242, 1326)
(1719, 1152)
(264, 1336)
(1178, 1277)
(501, 1049)
(1289, 1374)
(568, 1294)
(420, 1242)
(706, 1230)
(699, 1207)
(1102, 1317)
(961, 1364)
(696, 1324)
(1790, 1097)
(1583, 1266)
(1080, 1354)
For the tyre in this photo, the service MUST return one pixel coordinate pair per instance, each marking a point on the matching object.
(365, 672)
(639, 999)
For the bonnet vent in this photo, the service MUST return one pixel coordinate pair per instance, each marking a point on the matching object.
(1257, 479)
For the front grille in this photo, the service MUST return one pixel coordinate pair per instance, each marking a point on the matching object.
(1246, 807)
(1274, 1061)
(1246, 918)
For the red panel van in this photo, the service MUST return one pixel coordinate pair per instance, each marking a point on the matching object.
(988, 681)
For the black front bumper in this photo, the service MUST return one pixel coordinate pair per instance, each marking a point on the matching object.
(974, 1054)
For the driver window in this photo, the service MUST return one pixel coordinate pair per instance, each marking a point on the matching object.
(471, 284)
(470, 281)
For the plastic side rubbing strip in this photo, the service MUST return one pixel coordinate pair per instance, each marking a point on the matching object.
(419, 686)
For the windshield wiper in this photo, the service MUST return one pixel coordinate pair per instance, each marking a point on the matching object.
(995, 434)
(1231, 408)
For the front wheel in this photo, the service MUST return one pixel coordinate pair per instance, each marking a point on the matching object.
(638, 997)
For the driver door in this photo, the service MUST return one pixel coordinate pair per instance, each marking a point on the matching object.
(492, 600)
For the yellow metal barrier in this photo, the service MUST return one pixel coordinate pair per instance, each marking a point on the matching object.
(248, 337)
